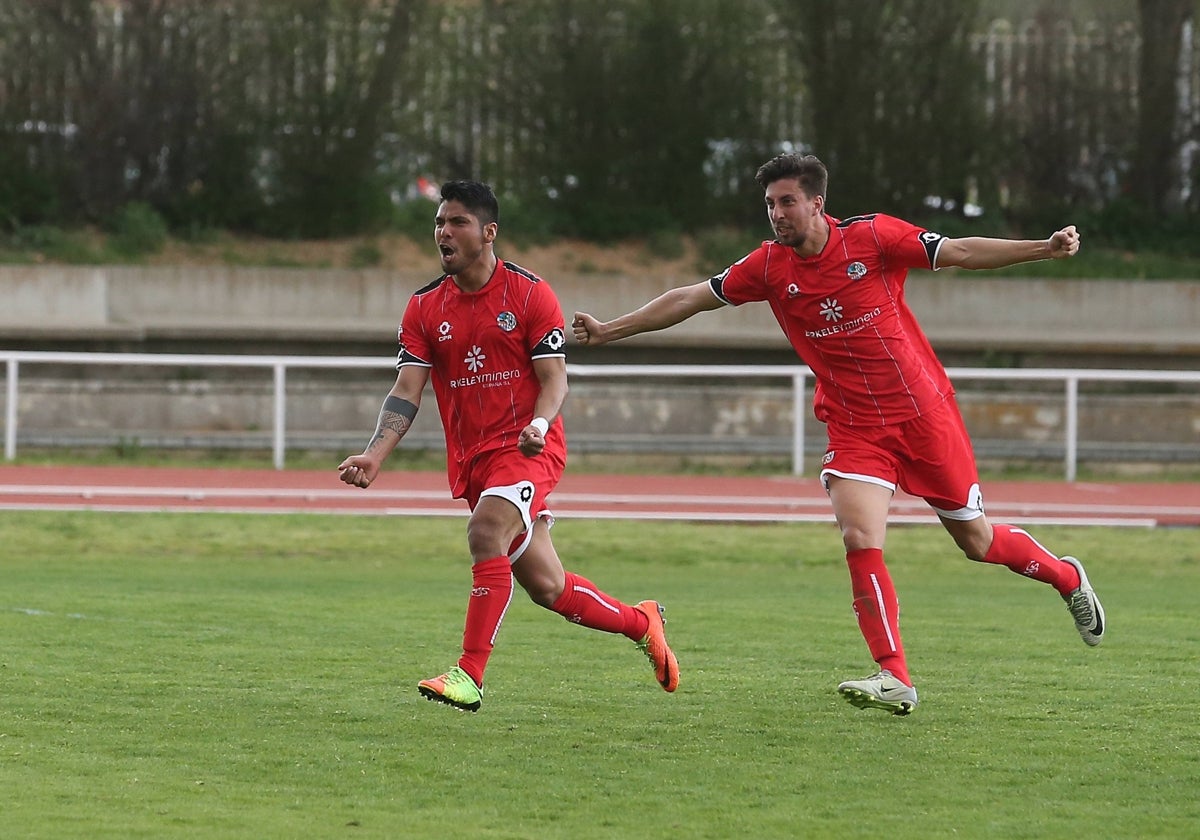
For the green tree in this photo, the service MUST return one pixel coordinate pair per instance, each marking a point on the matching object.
(1154, 175)
(893, 99)
(325, 175)
(139, 98)
(619, 104)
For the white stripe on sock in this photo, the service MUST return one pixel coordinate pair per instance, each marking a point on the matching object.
(504, 612)
(1049, 554)
(883, 612)
(596, 598)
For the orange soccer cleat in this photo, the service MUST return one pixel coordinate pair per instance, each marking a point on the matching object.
(654, 645)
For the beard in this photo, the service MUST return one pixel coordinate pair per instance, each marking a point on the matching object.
(458, 261)
(792, 238)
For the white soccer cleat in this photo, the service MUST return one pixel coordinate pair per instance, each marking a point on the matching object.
(880, 691)
(1085, 607)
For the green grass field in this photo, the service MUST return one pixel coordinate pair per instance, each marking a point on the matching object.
(217, 676)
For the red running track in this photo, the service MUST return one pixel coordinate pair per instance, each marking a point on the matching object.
(704, 498)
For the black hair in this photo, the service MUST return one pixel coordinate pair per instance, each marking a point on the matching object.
(806, 169)
(476, 197)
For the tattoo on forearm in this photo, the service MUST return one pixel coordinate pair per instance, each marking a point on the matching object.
(397, 415)
(390, 420)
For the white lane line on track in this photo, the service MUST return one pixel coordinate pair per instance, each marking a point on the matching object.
(562, 513)
(1030, 511)
(199, 493)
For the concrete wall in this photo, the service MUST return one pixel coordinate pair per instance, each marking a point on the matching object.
(959, 311)
(344, 312)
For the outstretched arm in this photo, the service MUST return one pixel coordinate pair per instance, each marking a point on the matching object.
(666, 310)
(395, 419)
(982, 252)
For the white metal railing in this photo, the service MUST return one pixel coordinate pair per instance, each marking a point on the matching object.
(799, 374)
(279, 365)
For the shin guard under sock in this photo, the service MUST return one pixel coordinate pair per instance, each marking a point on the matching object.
(491, 593)
(583, 603)
(1015, 549)
(878, 610)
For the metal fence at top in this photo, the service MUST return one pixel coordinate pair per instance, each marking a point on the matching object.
(800, 377)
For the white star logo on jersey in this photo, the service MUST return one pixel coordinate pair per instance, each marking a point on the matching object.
(831, 309)
(474, 359)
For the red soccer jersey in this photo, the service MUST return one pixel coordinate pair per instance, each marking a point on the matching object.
(480, 347)
(844, 313)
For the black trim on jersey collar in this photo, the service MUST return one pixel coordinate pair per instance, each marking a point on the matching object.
(433, 285)
(864, 218)
(524, 272)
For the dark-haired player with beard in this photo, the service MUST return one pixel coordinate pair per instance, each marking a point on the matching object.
(836, 287)
(491, 335)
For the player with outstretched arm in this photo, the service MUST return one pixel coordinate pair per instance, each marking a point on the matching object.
(836, 287)
(492, 336)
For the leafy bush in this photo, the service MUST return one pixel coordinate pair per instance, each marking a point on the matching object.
(1123, 224)
(666, 244)
(137, 229)
(222, 193)
(39, 243)
(529, 222)
(366, 255)
(27, 196)
(313, 199)
(415, 217)
(719, 248)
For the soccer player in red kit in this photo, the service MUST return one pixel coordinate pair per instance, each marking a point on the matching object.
(491, 335)
(836, 288)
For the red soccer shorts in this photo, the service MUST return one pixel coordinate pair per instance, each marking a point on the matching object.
(526, 482)
(929, 456)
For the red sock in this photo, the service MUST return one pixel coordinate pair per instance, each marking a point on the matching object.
(491, 592)
(1020, 552)
(877, 610)
(583, 603)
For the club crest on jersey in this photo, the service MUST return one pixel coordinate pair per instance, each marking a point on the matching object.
(507, 321)
(856, 270)
(444, 331)
(793, 289)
